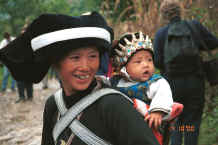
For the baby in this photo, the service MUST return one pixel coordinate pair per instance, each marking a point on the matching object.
(150, 92)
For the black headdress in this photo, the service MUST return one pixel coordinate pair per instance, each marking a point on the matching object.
(50, 37)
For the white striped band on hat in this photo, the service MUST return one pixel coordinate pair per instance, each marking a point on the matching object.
(69, 34)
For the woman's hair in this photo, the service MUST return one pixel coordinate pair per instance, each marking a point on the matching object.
(170, 9)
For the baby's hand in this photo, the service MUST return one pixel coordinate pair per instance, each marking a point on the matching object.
(155, 119)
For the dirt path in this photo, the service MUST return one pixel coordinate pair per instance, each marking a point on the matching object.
(21, 123)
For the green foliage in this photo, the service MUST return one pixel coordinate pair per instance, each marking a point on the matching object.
(198, 13)
(56, 6)
(82, 6)
(115, 8)
(201, 14)
(209, 127)
(15, 13)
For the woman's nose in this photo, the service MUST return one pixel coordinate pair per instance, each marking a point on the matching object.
(84, 63)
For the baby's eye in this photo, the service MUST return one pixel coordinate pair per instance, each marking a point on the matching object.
(150, 59)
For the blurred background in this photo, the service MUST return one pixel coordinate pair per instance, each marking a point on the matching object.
(123, 16)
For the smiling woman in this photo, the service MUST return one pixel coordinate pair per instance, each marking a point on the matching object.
(78, 69)
(84, 110)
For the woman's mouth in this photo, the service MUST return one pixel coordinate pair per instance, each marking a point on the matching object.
(82, 77)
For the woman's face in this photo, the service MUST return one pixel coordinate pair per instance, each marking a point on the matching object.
(77, 70)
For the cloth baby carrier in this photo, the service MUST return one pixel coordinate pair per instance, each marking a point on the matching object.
(69, 118)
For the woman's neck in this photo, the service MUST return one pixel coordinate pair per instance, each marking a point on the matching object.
(71, 91)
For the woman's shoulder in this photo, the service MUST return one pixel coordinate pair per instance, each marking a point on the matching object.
(50, 104)
(113, 100)
(50, 100)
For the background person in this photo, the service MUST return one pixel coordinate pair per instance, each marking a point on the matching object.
(6, 74)
(188, 82)
(25, 89)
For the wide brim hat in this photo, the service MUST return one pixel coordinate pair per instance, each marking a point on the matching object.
(49, 38)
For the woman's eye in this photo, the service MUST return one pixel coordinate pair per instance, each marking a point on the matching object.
(74, 57)
(93, 56)
(138, 61)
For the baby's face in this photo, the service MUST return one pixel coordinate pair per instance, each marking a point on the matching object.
(140, 67)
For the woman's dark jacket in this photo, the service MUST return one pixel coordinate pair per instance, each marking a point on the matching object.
(112, 118)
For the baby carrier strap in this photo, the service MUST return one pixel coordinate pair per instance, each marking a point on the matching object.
(60, 102)
(69, 116)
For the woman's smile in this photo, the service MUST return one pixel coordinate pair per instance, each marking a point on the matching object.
(82, 77)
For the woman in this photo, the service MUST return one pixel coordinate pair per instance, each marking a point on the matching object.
(73, 45)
